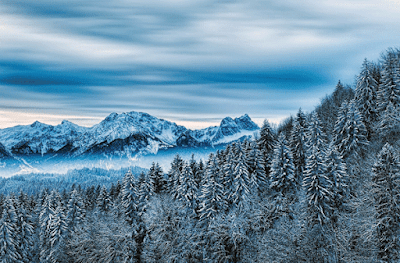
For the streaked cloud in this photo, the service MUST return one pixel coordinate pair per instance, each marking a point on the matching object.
(186, 61)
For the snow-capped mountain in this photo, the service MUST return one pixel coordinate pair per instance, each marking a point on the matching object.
(124, 134)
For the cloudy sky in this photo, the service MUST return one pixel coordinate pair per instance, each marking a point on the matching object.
(192, 62)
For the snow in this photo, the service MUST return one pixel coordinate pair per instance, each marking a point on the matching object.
(40, 138)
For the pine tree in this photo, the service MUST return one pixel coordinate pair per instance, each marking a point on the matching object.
(282, 178)
(355, 138)
(389, 125)
(129, 198)
(336, 172)
(47, 211)
(266, 144)
(298, 144)
(157, 180)
(187, 190)
(366, 96)
(8, 234)
(389, 89)
(144, 191)
(25, 230)
(103, 200)
(255, 163)
(241, 180)
(174, 175)
(386, 191)
(58, 232)
(316, 182)
(211, 191)
(75, 213)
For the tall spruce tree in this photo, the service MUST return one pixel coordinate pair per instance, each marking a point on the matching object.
(317, 185)
(211, 192)
(386, 180)
(8, 234)
(282, 177)
(266, 144)
(389, 88)
(298, 144)
(366, 96)
(157, 180)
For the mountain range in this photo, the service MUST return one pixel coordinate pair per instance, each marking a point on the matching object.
(125, 134)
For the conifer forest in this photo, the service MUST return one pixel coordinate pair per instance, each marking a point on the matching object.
(322, 186)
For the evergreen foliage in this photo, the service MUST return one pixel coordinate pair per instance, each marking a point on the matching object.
(282, 177)
(386, 189)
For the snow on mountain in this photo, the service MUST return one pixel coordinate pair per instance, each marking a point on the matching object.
(128, 132)
(229, 130)
(39, 138)
(124, 134)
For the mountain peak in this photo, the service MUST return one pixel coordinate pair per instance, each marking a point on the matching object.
(111, 117)
(37, 124)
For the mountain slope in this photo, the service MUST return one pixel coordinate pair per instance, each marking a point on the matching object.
(124, 134)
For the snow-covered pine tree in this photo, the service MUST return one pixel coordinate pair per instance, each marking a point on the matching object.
(174, 175)
(317, 240)
(386, 179)
(389, 88)
(255, 163)
(336, 172)
(25, 229)
(241, 180)
(144, 190)
(157, 180)
(317, 185)
(366, 95)
(47, 210)
(339, 131)
(211, 192)
(355, 138)
(298, 144)
(8, 234)
(389, 125)
(187, 190)
(58, 232)
(75, 212)
(282, 177)
(129, 198)
(103, 200)
(266, 144)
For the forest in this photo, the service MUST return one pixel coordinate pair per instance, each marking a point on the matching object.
(322, 186)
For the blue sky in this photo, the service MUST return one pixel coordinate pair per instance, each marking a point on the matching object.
(192, 62)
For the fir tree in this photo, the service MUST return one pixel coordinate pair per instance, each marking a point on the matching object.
(25, 231)
(187, 189)
(255, 163)
(174, 175)
(316, 182)
(266, 144)
(211, 191)
(389, 125)
(389, 88)
(386, 191)
(366, 95)
(336, 172)
(241, 180)
(103, 200)
(58, 232)
(75, 214)
(129, 198)
(156, 177)
(282, 171)
(8, 234)
(355, 138)
(298, 144)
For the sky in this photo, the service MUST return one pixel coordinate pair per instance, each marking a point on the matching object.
(192, 62)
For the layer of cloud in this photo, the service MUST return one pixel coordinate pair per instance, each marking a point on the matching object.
(183, 60)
